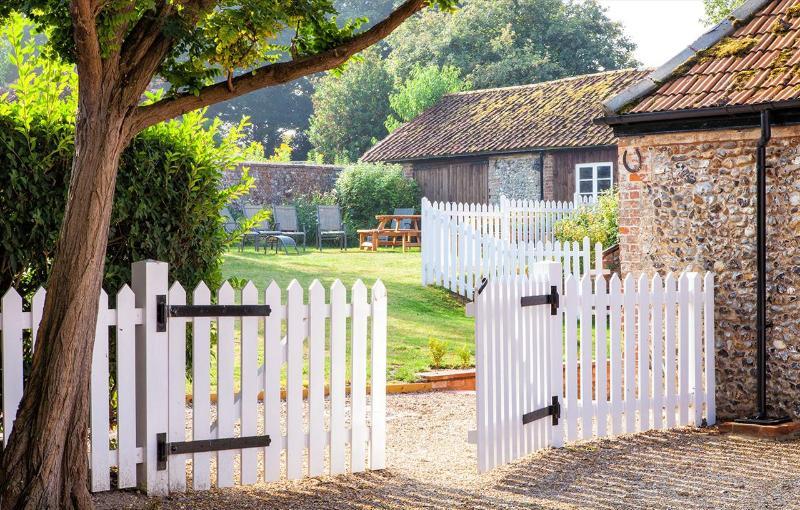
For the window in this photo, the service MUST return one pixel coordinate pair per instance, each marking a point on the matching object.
(593, 178)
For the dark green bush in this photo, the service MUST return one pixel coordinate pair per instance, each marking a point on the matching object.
(364, 190)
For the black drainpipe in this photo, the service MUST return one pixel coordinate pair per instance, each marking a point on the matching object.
(541, 175)
(761, 416)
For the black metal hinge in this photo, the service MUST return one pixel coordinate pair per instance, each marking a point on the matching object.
(554, 410)
(164, 449)
(544, 299)
(163, 311)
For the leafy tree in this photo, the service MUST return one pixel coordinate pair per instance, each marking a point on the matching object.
(718, 10)
(424, 87)
(493, 43)
(208, 51)
(498, 43)
(350, 109)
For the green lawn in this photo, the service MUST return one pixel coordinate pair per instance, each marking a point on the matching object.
(416, 313)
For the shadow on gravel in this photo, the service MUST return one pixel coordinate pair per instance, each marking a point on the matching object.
(685, 469)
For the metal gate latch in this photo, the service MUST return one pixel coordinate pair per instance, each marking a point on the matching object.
(164, 449)
(543, 299)
(163, 310)
(554, 410)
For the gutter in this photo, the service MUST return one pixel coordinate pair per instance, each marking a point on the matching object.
(761, 417)
(696, 113)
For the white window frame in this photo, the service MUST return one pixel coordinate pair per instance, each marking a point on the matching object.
(594, 167)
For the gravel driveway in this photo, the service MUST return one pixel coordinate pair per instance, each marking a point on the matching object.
(432, 466)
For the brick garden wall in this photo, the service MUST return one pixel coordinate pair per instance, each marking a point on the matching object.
(278, 183)
(692, 205)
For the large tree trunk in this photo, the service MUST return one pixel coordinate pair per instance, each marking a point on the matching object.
(45, 464)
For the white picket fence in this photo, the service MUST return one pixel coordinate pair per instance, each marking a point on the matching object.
(517, 221)
(458, 257)
(153, 397)
(652, 344)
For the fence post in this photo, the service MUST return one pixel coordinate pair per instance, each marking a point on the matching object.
(150, 280)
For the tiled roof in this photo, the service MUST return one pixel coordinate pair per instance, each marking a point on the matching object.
(543, 115)
(758, 62)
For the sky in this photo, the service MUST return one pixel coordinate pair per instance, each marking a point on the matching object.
(660, 28)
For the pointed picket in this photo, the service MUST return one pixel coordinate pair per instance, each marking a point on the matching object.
(587, 410)
(226, 418)
(657, 303)
(338, 364)
(249, 384)
(643, 351)
(572, 303)
(358, 396)
(316, 379)
(13, 324)
(176, 388)
(273, 360)
(601, 360)
(708, 336)
(615, 391)
(696, 347)
(295, 340)
(683, 349)
(201, 388)
(377, 456)
(670, 348)
(629, 316)
(126, 388)
(101, 476)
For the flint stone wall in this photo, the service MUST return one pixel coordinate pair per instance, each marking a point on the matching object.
(692, 206)
(279, 183)
(518, 177)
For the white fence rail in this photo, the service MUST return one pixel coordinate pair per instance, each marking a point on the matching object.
(634, 357)
(299, 336)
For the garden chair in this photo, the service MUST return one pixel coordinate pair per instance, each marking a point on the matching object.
(330, 226)
(284, 222)
(257, 232)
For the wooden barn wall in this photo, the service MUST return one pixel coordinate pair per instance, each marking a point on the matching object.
(564, 162)
(454, 180)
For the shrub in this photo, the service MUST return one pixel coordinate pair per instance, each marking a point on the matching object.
(598, 221)
(465, 356)
(364, 190)
(167, 198)
(437, 349)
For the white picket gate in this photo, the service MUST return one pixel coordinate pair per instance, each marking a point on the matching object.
(157, 410)
(646, 363)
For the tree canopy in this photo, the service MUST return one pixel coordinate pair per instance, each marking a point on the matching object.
(350, 110)
(486, 43)
(424, 87)
(498, 43)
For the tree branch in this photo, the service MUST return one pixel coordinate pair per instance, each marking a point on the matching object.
(273, 74)
(89, 57)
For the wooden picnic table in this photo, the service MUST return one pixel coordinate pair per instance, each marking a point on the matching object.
(387, 235)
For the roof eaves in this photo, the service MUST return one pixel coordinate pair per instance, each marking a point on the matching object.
(723, 29)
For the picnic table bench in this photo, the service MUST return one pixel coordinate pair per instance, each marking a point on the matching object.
(392, 235)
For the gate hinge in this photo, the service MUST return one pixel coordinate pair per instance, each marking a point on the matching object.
(554, 410)
(163, 310)
(543, 299)
(164, 449)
